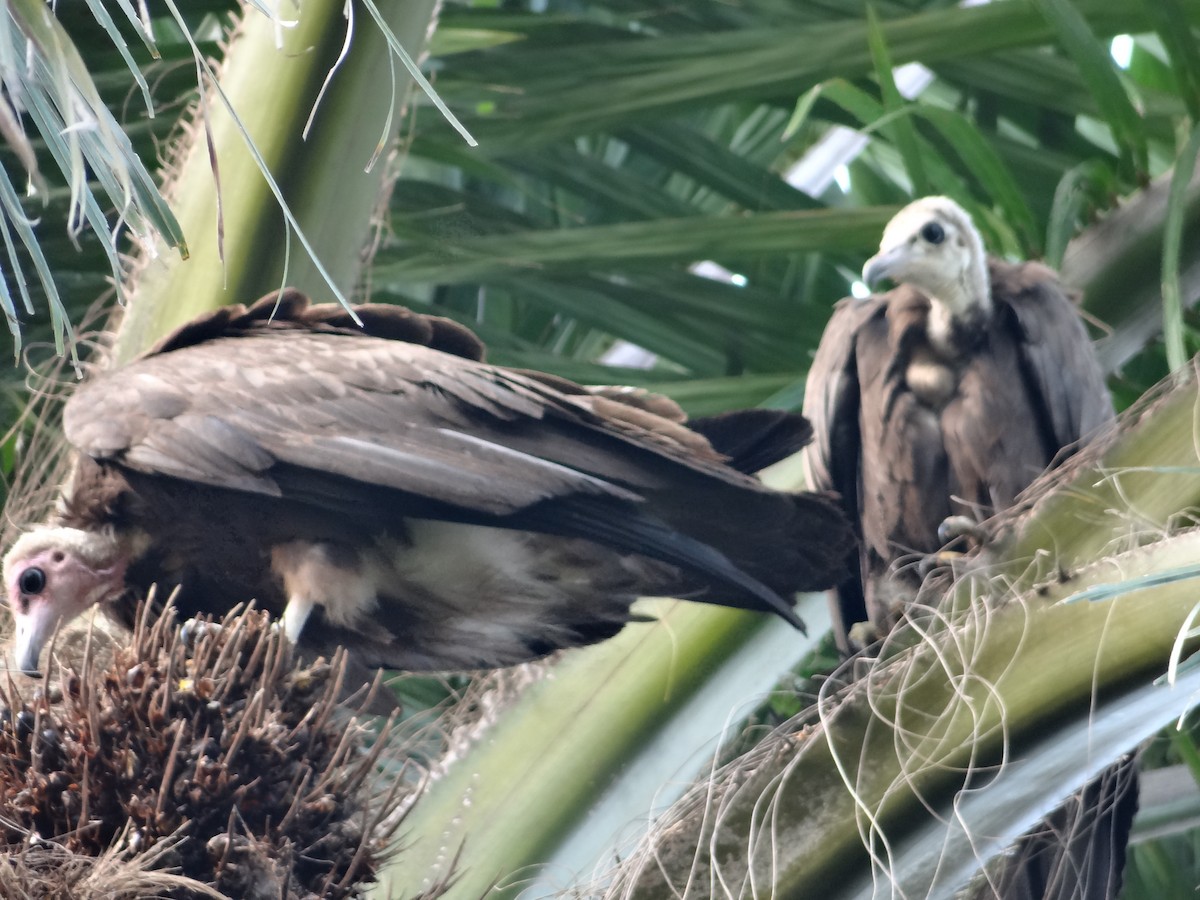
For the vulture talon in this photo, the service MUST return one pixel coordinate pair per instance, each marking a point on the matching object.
(954, 527)
(192, 630)
(942, 559)
(863, 635)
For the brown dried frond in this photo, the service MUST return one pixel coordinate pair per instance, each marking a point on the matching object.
(209, 747)
(50, 870)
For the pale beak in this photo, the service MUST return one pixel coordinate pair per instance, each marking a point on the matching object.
(34, 630)
(883, 265)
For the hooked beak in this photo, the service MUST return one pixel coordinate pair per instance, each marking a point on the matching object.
(883, 265)
(34, 630)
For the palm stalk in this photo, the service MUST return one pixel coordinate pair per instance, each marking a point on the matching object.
(286, 211)
(536, 773)
(1057, 620)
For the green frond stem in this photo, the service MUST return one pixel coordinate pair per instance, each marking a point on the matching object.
(1087, 596)
(239, 243)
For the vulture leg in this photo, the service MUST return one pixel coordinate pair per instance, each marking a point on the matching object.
(313, 572)
(295, 614)
(862, 635)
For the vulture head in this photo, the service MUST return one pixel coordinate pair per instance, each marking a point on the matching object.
(52, 575)
(933, 245)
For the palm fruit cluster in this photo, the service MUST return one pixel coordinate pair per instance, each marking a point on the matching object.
(204, 752)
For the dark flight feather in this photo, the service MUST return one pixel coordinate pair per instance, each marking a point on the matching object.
(752, 439)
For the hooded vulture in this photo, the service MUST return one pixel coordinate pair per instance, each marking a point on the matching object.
(386, 490)
(944, 397)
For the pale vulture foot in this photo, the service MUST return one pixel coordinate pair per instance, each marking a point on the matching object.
(192, 630)
(325, 574)
(863, 635)
(959, 535)
(295, 614)
(943, 559)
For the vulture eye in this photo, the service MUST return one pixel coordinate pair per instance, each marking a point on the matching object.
(32, 581)
(933, 232)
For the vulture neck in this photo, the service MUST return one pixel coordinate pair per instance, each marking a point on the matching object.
(960, 310)
(105, 548)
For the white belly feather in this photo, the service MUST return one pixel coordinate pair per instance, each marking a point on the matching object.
(493, 589)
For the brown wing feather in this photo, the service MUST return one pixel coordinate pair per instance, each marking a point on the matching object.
(833, 401)
(291, 310)
(305, 408)
(1059, 361)
(752, 439)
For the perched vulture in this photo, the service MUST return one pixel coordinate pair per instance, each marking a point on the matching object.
(944, 397)
(386, 490)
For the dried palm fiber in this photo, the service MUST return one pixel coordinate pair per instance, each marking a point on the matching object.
(203, 751)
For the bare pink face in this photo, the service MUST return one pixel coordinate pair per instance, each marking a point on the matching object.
(50, 586)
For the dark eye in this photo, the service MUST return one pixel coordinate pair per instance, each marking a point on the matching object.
(32, 581)
(933, 232)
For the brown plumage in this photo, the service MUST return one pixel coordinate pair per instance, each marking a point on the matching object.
(390, 492)
(945, 396)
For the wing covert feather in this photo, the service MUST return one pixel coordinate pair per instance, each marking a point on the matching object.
(832, 396)
(363, 435)
(1056, 350)
(390, 413)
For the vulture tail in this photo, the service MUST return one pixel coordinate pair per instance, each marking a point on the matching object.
(812, 550)
(789, 542)
(752, 439)
(623, 527)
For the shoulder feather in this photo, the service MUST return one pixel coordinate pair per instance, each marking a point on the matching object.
(1059, 359)
(290, 310)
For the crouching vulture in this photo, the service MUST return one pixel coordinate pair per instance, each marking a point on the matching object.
(386, 490)
(942, 399)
